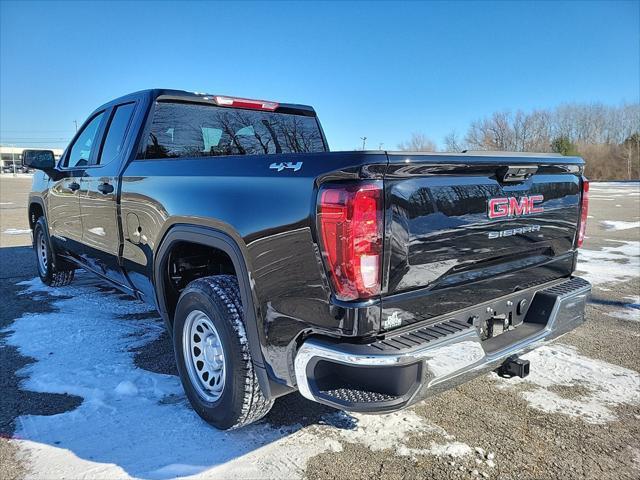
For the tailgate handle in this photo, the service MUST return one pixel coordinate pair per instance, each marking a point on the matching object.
(511, 174)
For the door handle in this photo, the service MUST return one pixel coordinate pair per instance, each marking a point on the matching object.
(73, 186)
(105, 188)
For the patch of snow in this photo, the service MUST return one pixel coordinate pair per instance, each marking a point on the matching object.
(619, 225)
(391, 431)
(17, 231)
(122, 428)
(125, 428)
(611, 264)
(561, 365)
(615, 187)
(631, 314)
(449, 449)
(379, 432)
(453, 449)
(98, 231)
(126, 387)
(16, 175)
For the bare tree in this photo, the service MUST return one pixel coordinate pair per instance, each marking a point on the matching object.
(453, 143)
(607, 137)
(419, 142)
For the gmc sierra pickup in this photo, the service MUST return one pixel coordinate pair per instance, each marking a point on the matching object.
(365, 280)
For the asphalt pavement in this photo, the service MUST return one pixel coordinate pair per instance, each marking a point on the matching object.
(578, 418)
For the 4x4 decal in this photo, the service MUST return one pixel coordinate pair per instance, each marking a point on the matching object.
(280, 166)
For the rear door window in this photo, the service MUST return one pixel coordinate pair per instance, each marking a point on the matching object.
(114, 140)
(192, 130)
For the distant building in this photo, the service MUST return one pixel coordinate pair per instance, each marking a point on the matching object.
(13, 155)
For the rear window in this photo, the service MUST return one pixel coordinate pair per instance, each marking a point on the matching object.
(191, 130)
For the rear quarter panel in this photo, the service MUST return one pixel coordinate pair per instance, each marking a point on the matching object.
(268, 213)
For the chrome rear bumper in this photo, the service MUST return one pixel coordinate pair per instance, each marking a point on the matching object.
(377, 378)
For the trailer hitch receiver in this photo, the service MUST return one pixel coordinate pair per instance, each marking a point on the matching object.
(514, 367)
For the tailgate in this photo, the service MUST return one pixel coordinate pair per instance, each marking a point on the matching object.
(475, 227)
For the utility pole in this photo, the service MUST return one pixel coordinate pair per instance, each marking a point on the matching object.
(364, 141)
(75, 122)
(13, 159)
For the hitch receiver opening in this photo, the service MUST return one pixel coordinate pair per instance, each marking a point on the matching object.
(514, 367)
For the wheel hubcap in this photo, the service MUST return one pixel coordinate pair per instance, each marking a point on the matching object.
(203, 355)
(41, 252)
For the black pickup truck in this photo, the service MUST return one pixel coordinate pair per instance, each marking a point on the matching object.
(366, 280)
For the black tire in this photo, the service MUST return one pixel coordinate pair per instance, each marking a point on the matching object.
(241, 401)
(52, 270)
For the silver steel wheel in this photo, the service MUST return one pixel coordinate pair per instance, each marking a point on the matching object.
(41, 252)
(203, 355)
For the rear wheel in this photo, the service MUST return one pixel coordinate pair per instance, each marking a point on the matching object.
(212, 354)
(52, 270)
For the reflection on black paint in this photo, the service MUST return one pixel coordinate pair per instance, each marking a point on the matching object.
(439, 227)
(186, 130)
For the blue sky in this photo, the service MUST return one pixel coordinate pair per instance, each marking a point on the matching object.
(381, 70)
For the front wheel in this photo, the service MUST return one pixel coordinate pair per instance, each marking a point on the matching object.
(52, 271)
(212, 354)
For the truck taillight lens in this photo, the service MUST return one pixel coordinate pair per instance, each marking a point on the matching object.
(584, 211)
(350, 229)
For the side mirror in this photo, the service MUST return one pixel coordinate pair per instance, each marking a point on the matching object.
(39, 159)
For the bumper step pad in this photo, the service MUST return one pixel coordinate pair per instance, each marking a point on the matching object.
(420, 336)
(353, 395)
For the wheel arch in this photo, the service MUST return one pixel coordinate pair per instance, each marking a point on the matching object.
(223, 241)
(36, 210)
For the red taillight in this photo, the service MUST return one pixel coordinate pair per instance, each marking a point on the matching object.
(584, 210)
(350, 228)
(245, 103)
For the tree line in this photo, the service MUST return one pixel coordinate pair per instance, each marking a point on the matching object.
(607, 137)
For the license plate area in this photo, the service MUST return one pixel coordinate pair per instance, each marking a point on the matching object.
(496, 318)
(496, 325)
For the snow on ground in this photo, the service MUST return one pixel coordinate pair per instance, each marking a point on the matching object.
(615, 263)
(614, 187)
(16, 175)
(631, 311)
(619, 225)
(631, 314)
(136, 423)
(607, 385)
(17, 231)
(612, 190)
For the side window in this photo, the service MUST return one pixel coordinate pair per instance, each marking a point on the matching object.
(114, 140)
(81, 150)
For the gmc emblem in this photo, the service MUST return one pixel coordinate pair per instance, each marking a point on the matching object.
(513, 207)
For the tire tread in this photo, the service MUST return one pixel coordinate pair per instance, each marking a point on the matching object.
(226, 289)
(59, 273)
